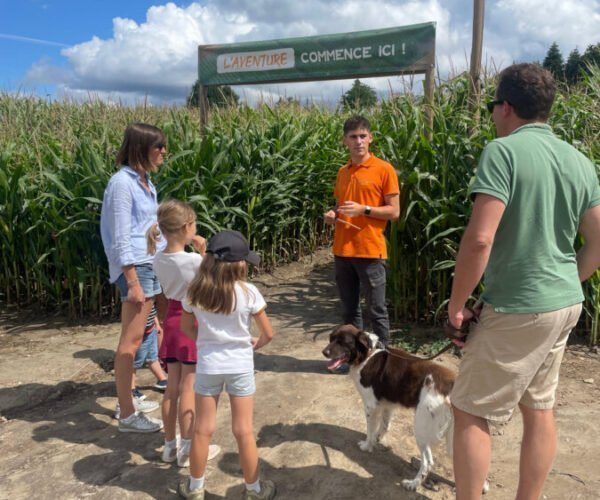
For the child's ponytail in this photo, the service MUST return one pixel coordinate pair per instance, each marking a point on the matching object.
(153, 236)
(172, 216)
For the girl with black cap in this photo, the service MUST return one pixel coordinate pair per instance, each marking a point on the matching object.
(223, 304)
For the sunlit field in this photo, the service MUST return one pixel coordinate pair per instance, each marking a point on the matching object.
(268, 172)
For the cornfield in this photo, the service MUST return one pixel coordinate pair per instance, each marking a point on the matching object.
(267, 172)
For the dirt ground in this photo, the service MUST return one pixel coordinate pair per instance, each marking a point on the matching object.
(58, 438)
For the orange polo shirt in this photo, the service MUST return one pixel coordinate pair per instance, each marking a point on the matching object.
(366, 184)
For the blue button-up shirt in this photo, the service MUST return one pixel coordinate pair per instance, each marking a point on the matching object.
(128, 210)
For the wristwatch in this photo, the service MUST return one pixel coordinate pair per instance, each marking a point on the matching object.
(367, 210)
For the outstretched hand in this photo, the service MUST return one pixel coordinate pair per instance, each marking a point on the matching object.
(351, 209)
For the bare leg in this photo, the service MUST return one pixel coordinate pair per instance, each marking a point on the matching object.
(472, 454)
(538, 449)
(186, 400)
(133, 322)
(157, 370)
(204, 427)
(169, 405)
(242, 408)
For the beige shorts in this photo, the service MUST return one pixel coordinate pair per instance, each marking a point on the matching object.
(512, 359)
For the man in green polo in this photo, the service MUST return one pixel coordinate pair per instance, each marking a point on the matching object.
(532, 194)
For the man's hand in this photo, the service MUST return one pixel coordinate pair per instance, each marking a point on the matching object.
(458, 319)
(199, 243)
(351, 209)
(330, 217)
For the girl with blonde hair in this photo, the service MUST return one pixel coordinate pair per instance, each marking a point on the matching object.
(176, 268)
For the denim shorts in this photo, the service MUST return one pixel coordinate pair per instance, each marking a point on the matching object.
(147, 351)
(236, 384)
(148, 282)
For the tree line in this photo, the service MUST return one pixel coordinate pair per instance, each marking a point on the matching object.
(575, 67)
(359, 96)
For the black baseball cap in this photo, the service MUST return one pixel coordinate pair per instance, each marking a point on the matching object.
(231, 246)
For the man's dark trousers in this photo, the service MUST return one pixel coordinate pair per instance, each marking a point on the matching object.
(350, 274)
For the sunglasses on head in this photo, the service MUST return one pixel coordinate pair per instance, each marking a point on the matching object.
(492, 104)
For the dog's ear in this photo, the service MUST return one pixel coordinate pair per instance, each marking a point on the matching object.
(364, 342)
(333, 333)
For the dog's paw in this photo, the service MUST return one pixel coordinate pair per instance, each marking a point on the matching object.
(365, 445)
(410, 485)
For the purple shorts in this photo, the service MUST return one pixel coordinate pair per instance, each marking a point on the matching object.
(176, 345)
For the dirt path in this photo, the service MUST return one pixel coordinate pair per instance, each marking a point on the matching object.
(59, 440)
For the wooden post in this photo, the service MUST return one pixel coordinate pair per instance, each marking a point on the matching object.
(429, 91)
(203, 105)
(475, 71)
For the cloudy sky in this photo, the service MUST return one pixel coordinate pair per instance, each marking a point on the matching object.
(136, 49)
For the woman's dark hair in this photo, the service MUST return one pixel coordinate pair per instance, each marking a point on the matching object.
(529, 89)
(138, 140)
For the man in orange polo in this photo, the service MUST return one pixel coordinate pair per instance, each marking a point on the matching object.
(367, 196)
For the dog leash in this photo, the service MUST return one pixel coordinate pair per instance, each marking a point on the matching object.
(439, 353)
(450, 331)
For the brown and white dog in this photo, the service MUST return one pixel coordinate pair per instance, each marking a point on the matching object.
(388, 378)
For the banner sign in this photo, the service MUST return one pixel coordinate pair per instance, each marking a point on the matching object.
(407, 49)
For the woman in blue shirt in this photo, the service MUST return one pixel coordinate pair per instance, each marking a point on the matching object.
(128, 210)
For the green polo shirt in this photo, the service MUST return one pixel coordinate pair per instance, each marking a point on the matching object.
(547, 185)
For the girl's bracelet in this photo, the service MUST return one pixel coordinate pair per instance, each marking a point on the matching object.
(133, 282)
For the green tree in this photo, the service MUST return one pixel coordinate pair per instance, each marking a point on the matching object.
(554, 62)
(591, 55)
(287, 101)
(220, 96)
(573, 67)
(359, 96)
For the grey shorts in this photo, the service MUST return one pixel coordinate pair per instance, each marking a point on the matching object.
(235, 384)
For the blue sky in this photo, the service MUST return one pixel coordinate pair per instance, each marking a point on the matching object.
(129, 50)
(37, 30)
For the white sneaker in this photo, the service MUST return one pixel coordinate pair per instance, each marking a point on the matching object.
(145, 406)
(169, 453)
(183, 454)
(139, 405)
(138, 422)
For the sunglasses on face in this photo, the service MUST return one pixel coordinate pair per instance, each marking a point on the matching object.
(160, 146)
(492, 104)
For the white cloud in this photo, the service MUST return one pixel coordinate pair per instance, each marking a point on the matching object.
(157, 58)
(527, 28)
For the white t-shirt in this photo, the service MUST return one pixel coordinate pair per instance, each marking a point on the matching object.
(224, 344)
(175, 271)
